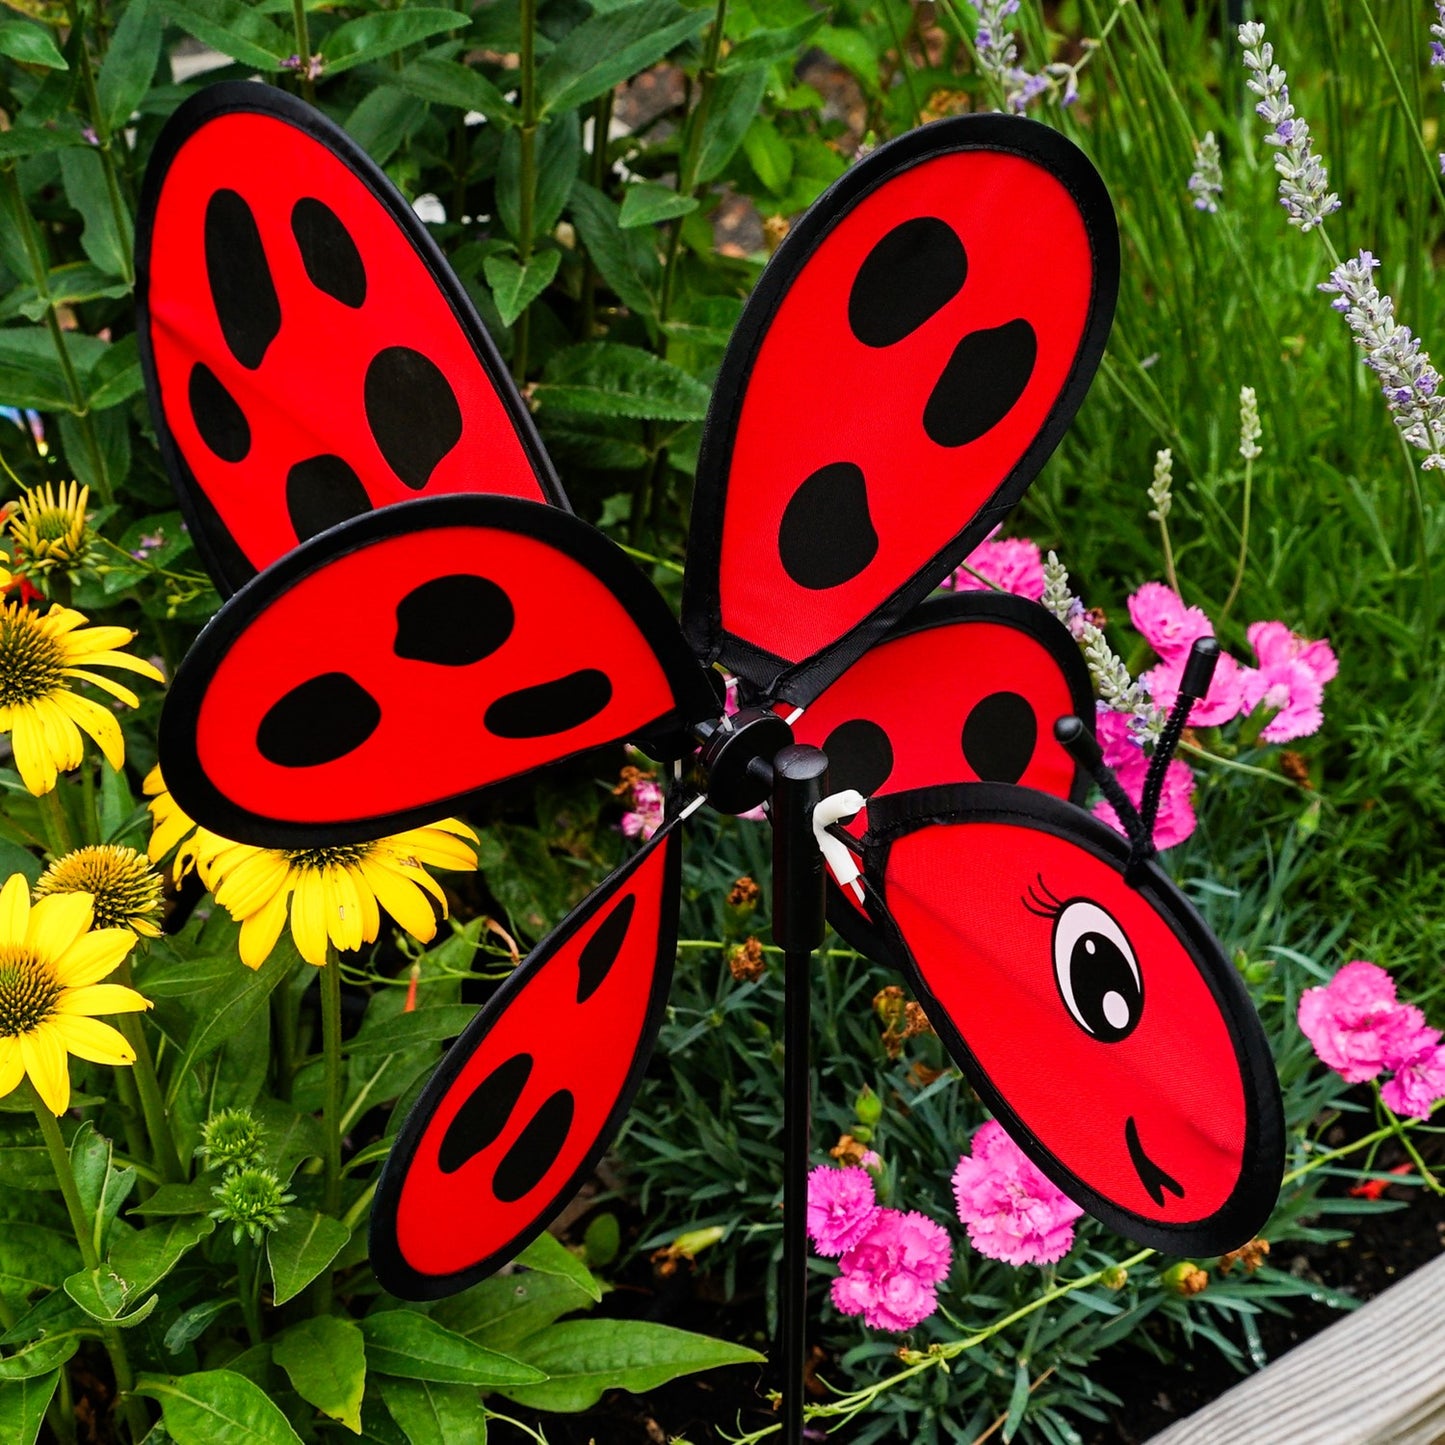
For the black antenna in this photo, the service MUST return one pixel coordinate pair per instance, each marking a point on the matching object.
(1198, 673)
(1083, 747)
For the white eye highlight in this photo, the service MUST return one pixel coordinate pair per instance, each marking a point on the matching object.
(1096, 971)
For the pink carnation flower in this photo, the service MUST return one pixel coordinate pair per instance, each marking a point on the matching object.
(1290, 681)
(1223, 701)
(1419, 1081)
(841, 1208)
(646, 816)
(890, 1276)
(1114, 732)
(1165, 623)
(1012, 563)
(1175, 820)
(1357, 1026)
(1012, 1211)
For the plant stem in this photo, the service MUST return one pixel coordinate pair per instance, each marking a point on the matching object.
(331, 1055)
(303, 48)
(248, 1288)
(57, 825)
(1243, 542)
(526, 173)
(152, 1101)
(85, 1238)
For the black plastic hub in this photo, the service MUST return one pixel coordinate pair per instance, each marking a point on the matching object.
(737, 757)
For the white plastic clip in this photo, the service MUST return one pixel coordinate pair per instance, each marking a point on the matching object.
(841, 860)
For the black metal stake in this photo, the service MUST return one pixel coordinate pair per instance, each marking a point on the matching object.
(800, 783)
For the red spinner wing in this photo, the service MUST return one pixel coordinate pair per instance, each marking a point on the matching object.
(308, 353)
(1098, 1018)
(967, 689)
(385, 672)
(908, 361)
(523, 1106)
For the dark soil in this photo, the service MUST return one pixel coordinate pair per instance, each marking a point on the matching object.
(703, 1408)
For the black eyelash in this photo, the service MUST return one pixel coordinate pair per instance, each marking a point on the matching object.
(1046, 907)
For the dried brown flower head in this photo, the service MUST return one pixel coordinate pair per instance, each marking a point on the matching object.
(744, 893)
(747, 962)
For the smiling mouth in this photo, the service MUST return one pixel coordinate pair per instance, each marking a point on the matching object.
(1151, 1176)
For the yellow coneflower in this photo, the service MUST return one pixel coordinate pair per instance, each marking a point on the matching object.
(38, 658)
(51, 964)
(334, 894)
(49, 530)
(126, 890)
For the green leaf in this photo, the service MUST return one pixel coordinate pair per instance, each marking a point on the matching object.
(448, 82)
(130, 63)
(144, 1257)
(851, 49)
(15, 859)
(515, 287)
(115, 375)
(624, 262)
(1018, 1401)
(232, 27)
(217, 1407)
(193, 1198)
(101, 1293)
(735, 102)
(548, 1255)
(383, 120)
(23, 1404)
(72, 284)
(644, 204)
(40, 1356)
(410, 1346)
(769, 154)
(86, 189)
(301, 1248)
(763, 47)
(30, 373)
(603, 378)
(103, 1188)
(38, 140)
(224, 1009)
(428, 1025)
(33, 1257)
(582, 1358)
(290, 1135)
(383, 32)
(325, 1360)
(559, 153)
(606, 49)
(431, 1414)
(499, 1313)
(30, 45)
(191, 1324)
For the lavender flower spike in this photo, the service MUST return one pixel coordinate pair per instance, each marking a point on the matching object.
(1302, 176)
(1206, 182)
(1437, 50)
(1408, 379)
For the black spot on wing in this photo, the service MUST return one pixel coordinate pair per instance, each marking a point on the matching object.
(826, 536)
(860, 757)
(241, 286)
(412, 412)
(550, 707)
(999, 737)
(217, 415)
(332, 261)
(535, 1149)
(453, 621)
(481, 1119)
(317, 722)
(984, 378)
(915, 270)
(322, 491)
(601, 950)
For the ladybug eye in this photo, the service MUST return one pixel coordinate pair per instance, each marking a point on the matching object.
(1096, 971)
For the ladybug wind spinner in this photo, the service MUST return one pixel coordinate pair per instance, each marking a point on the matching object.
(417, 615)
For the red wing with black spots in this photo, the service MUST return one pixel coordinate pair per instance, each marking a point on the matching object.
(530, 1096)
(966, 690)
(908, 361)
(384, 673)
(1098, 1018)
(308, 352)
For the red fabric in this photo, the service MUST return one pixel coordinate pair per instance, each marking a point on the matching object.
(431, 742)
(306, 397)
(958, 896)
(817, 396)
(446, 1222)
